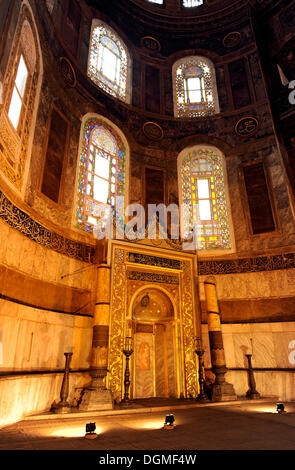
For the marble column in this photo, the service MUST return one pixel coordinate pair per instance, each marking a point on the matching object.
(96, 396)
(222, 390)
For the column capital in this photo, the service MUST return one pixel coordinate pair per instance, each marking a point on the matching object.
(210, 280)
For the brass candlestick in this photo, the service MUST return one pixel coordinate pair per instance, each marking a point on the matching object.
(202, 397)
(127, 352)
(252, 393)
(63, 406)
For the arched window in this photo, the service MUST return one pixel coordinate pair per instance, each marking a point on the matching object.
(17, 101)
(204, 199)
(21, 86)
(109, 62)
(102, 171)
(192, 3)
(195, 91)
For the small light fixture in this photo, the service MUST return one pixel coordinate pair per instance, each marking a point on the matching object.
(169, 422)
(90, 431)
(281, 408)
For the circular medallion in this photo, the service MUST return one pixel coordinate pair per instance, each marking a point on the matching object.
(247, 126)
(153, 131)
(67, 72)
(150, 43)
(232, 39)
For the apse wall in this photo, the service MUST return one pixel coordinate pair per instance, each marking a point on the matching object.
(48, 275)
(48, 280)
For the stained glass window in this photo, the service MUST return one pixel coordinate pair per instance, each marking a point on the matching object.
(108, 65)
(192, 3)
(195, 92)
(102, 171)
(204, 201)
(18, 93)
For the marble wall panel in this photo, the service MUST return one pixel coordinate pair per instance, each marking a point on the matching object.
(284, 347)
(36, 340)
(40, 262)
(242, 346)
(160, 361)
(270, 343)
(273, 349)
(42, 391)
(279, 385)
(263, 350)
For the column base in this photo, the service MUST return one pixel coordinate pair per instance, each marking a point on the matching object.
(252, 395)
(95, 399)
(223, 392)
(202, 398)
(61, 408)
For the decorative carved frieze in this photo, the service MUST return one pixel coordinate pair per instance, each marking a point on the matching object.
(22, 222)
(152, 277)
(246, 265)
(154, 261)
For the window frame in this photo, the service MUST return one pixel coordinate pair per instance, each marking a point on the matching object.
(207, 252)
(96, 120)
(245, 201)
(192, 6)
(61, 194)
(16, 145)
(98, 77)
(181, 111)
(27, 88)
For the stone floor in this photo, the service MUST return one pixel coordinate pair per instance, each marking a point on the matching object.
(240, 425)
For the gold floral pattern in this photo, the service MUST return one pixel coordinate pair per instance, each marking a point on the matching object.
(125, 285)
(189, 331)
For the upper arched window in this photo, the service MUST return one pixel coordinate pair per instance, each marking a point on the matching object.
(195, 91)
(192, 3)
(102, 172)
(109, 62)
(20, 97)
(204, 198)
